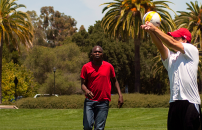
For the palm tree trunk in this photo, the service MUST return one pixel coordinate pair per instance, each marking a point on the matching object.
(1, 51)
(137, 65)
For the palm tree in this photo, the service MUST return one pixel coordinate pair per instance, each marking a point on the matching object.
(15, 29)
(192, 21)
(123, 19)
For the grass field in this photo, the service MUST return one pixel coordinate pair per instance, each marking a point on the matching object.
(71, 119)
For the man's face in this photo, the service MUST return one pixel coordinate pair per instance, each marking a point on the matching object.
(97, 53)
(180, 39)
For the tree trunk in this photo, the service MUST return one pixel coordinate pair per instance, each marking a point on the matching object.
(1, 51)
(137, 65)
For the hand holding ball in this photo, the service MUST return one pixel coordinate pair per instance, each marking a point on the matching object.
(152, 17)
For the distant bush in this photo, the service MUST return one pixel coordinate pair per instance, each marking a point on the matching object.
(7, 103)
(68, 61)
(142, 100)
(26, 86)
(77, 102)
(61, 102)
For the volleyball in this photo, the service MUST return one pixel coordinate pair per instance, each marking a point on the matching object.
(152, 17)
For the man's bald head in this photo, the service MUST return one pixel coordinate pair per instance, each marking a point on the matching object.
(95, 47)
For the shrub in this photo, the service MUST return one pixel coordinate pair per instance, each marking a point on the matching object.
(26, 86)
(77, 101)
(141, 100)
(61, 102)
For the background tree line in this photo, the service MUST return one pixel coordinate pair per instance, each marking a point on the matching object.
(58, 43)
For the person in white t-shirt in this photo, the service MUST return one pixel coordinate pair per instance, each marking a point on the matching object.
(182, 66)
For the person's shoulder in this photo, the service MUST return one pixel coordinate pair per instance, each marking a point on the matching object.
(107, 63)
(87, 64)
(190, 46)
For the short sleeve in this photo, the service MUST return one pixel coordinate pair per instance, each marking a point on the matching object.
(112, 74)
(191, 52)
(166, 61)
(83, 73)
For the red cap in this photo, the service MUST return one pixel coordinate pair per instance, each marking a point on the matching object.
(182, 32)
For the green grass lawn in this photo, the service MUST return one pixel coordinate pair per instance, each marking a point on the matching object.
(71, 119)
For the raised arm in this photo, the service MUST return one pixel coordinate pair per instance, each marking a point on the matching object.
(120, 100)
(166, 39)
(160, 46)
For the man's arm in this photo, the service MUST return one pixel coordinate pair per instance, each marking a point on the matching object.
(88, 93)
(160, 46)
(168, 40)
(120, 100)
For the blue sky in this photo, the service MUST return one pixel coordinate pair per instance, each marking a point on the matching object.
(85, 12)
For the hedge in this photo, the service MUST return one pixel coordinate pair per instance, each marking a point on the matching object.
(77, 102)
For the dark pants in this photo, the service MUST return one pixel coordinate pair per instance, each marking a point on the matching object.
(183, 115)
(95, 113)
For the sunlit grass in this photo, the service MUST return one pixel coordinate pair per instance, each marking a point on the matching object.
(72, 119)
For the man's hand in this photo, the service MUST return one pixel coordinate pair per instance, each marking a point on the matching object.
(120, 101)
(148, 26)
(89, 94)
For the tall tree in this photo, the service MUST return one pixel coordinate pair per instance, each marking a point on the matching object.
(191, 19)
(39, 33)
(56, 25)
(123, 19)
(15, 29)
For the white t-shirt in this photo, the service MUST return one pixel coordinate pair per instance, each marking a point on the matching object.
(182, 72)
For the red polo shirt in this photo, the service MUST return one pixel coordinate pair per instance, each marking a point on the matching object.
(98, 80)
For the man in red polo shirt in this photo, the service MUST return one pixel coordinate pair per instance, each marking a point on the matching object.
(96, 83)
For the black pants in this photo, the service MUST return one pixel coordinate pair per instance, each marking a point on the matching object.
(183, 115)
